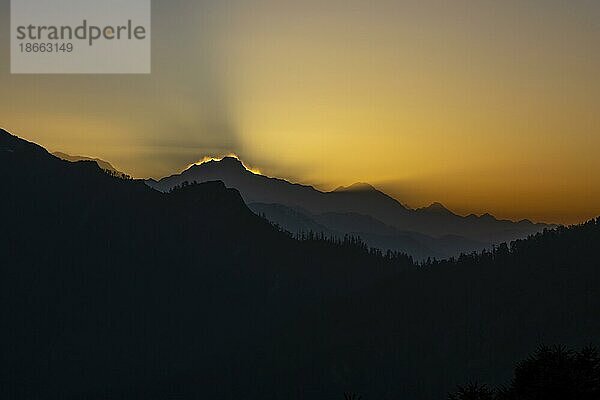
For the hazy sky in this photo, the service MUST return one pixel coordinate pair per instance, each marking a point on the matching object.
(486, 106)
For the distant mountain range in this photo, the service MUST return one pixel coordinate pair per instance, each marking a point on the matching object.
(105, 165)
(113, 290)
(360, 209)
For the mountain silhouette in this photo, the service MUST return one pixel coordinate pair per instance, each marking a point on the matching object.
(113, 290)
(357, 187)
(105, 165)
(425, 225)
(437, 208)
(261, 189)
(106, 282)
(375, 233)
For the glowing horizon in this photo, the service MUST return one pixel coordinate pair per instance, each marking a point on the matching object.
(482, 106)
(257, 171)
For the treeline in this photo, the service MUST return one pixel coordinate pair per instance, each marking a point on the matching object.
(578, 237)
(116, 174)
(550, 373)
(113, 290)
(444, 322)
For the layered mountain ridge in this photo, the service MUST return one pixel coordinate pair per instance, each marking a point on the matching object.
(422, 232)
(113, 290)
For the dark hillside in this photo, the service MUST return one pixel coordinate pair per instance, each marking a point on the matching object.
(110, 289)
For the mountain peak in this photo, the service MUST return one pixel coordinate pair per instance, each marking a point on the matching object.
(357, 187)
(229, 163)
(488, 217)
(436, 208)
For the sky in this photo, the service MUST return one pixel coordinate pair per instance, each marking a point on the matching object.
(485, 106)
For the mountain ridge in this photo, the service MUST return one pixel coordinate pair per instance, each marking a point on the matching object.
(113, 290)
(428, 226)
(435, 220)
(105, 165)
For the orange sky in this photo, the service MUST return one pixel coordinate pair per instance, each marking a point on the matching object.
(485, 106)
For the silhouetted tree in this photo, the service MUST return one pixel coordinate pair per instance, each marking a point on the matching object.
(551, 373)
(110, 287)
(556, 373)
